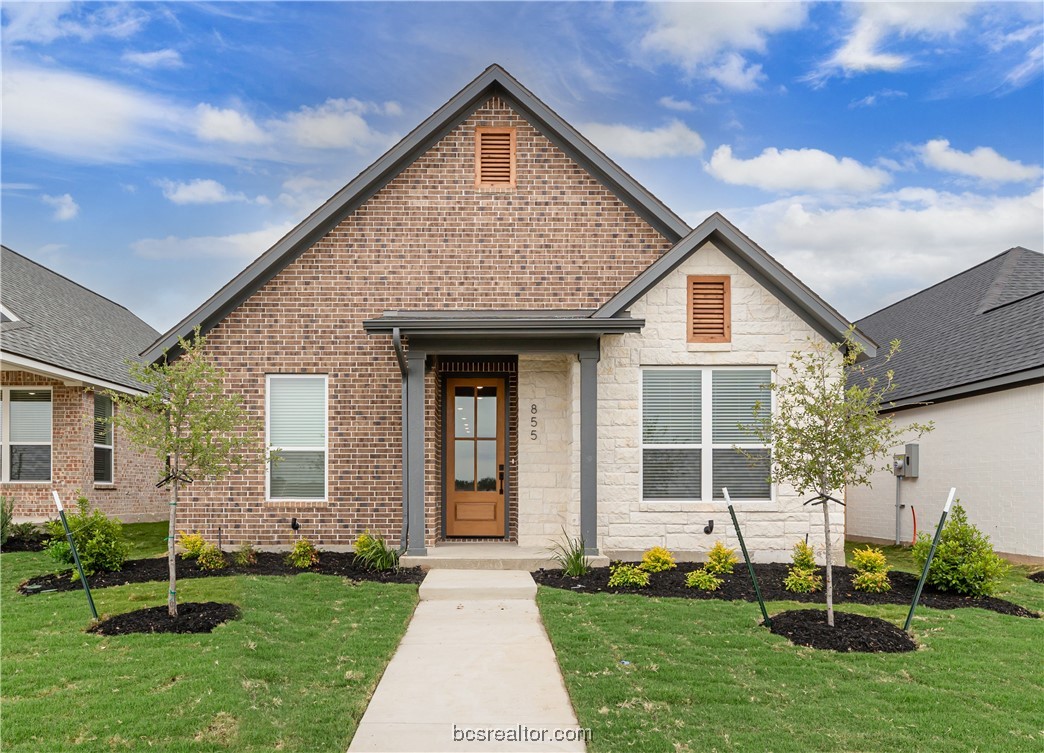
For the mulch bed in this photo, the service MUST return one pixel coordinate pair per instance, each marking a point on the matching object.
(268, 563)
(737, 587)
(851, 632)
(34, 542)
(193, 617)
(1037, 577)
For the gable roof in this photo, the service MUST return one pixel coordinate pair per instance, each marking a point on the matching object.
(64, 329)
(756, 262)
(980, 329)
(494, 80)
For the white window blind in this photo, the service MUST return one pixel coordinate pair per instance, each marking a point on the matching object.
(103, 444)
(297, 436)
(27, 454)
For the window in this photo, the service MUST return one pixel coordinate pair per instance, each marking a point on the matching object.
(494, 157)
(296, 430)
(710, 309)
(690, 426)
(103, 444)
(25, 422)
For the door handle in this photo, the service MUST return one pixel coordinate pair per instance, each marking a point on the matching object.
(501, 475)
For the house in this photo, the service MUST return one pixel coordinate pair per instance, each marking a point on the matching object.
(61, 346)
(972, 361)
(495, 334)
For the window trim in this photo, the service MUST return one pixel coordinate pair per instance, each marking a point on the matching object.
(511, 131)
(726, 337)
(325, 448)
(110, 447)
(707, 445)
(5, 436)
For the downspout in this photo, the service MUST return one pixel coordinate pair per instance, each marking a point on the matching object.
(404, 371)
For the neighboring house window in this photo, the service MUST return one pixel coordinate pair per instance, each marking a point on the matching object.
(710, 309)
(690, 428)
(296, 429)
(494, 157)
(26, 429)
(103, 443)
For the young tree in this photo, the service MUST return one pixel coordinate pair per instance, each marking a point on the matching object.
(187, 420)
(827, 433)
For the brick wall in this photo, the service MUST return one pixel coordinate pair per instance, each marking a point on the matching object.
(427, 240)
(132, 497)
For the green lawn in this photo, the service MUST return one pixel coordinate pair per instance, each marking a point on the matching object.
(704, 676)
(294, 674)
(146, 539)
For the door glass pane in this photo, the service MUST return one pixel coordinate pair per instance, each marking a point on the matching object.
(31, 462)
(464, 411)
(487, 465)
(30, 416)
(299, 475)
(487, 413)
(464, 465)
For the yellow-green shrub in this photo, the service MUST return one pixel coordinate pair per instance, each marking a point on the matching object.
(622, 575)
(303, 555)
(211, 558)
(657, 559)
(193, 544)
(720, 559)
(703, 579)
(872, 570)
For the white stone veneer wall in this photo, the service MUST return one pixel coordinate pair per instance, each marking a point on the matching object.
(991, 447)
(764, 332)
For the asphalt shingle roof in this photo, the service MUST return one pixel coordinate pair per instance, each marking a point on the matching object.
(66, 325)
(984, 323)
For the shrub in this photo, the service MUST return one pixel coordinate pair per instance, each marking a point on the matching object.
(703, 579)
(6, 514)
(211, 558)
(964, 561)
(803, 577)
(245, 556)
(570, 555)
(872, 570)
(303, 555)
(657, 559)
(374, 553)
(720, 559)
(25, 531)
(633, 576)
(99, 539)
(192, 543)
(804, 556)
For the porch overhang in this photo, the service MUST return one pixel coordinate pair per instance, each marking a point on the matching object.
(524, 325)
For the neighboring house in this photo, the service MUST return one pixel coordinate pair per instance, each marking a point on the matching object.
(61, 345)
(494, 333)
(972, 361)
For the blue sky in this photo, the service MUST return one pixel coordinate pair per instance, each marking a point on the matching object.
(150, 151)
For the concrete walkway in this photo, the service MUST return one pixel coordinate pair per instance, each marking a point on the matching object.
(474, 672)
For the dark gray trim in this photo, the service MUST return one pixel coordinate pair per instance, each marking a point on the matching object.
(415, 451)
(589, 451)
(494, 80)
(756, 262)
(1008, 381)
(501, 326)
(489, 344)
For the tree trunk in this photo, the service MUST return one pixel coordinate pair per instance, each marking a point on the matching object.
(829, 564)
(172, 600)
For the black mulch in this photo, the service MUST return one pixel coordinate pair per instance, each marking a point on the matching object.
(851, 632)
(1037, 577)
(193, 617)
(34, 542)
(737, 587)
(268, 563)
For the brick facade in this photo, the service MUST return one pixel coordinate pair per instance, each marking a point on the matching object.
(132, 496)
(429, 239)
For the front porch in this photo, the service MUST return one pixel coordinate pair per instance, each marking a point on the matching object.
(495, 555)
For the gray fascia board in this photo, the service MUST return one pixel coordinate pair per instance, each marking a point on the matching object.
(377, 175)
(755, 262)
(486, 345)
(499, 327)
(1018, 378)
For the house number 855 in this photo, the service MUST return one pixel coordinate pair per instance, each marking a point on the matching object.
(533, 421)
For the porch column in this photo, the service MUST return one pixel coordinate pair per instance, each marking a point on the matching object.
(415, 452)
(589, 450)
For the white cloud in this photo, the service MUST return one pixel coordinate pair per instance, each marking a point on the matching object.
(681, 105)
(335, 124)
(42, 23)
(242, 246)
(202, 191)
(706, 39)
(672, 140)
(166, 58)
(64, 207)
(871, 100)
(981, 162)
(228, 125)
(790, 170)
(863, 255)
(1027, 70)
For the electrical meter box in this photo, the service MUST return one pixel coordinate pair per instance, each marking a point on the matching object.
(907, 464)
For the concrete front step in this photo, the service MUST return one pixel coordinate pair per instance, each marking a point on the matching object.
(496, 556)
(477, 585)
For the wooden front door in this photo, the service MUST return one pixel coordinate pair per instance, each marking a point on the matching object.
(475, 461)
